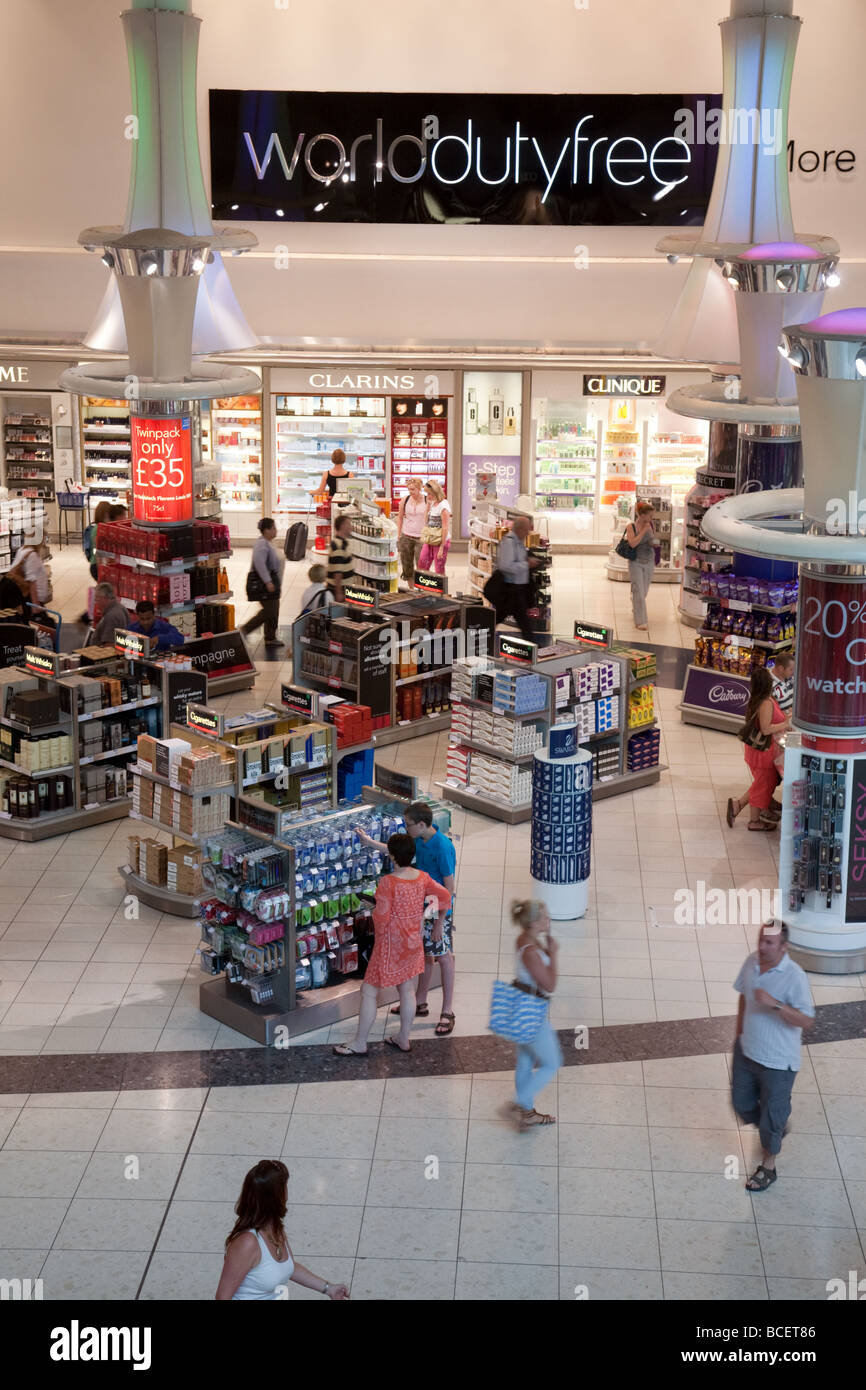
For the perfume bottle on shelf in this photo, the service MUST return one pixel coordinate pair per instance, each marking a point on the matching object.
(496, 411)
(511, 420)
(471, 424)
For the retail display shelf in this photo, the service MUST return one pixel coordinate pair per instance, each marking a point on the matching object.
(428, 723)
(270, 776)
(36, 729)
(108, 753)
(226, 685)
(744, 641)
(136, 770)
(191, 837)
(482, 704)
(498, 810)
(35, 772)
(176, 566)
(641, 728)
(627, 781)
(118, 709)
(187, 607)
(424, 675)
(163, 899)
(63, 822)
(494, 752)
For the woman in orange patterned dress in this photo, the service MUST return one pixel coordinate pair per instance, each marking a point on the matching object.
(397, 958)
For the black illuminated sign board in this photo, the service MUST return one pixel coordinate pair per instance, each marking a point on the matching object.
(544, 159)
(516, 649)
(593, 634)
(360, 597)
(623, 384)
(430, 583)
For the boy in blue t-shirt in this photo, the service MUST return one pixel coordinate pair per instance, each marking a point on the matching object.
(434, 854)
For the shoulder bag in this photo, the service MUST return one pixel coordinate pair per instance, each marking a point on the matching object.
(751, 735)
(515, 1013)
(626, 551)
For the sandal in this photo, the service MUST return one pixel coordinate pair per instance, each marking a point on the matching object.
(445, 1025)
(421, 1010)
(530, 1118)
(763, 825)
(346, 1050)
(392, 1042)
(731, 813)
(761, 1179)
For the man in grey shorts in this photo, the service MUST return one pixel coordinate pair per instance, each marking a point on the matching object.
(775, 1007)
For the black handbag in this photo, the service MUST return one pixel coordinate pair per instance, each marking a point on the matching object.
(751, 735)
(623, 548)
(495, 589)
(256, 590)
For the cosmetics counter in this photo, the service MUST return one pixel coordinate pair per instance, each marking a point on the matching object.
(20, 517)
(69, 728)
(748, 621)
(505, 707)
(391, 655)
(235, 438)
(180, 571)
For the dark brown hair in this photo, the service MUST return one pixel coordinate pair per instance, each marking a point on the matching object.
(420, 813)
(402, 850)
(760, 690)
(338, 458)
(642, 508)
(262, 1203)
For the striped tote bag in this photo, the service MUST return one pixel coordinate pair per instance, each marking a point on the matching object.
(514, 1014)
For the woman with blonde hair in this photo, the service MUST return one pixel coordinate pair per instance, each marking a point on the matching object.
(436, 536)
(411, 520)
(535, 973)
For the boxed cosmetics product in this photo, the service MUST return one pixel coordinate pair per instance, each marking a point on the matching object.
(158, 755)
(155, 858)
(183, 870)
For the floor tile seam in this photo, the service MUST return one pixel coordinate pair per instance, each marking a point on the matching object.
(168, 1205)
(52, 1245)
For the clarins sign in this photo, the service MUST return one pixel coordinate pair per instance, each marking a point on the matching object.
(433, 157)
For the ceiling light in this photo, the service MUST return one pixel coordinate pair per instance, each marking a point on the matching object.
(280, 212)
(786, 279)
(320, 207)
(149, 265)
(345, 178)
(860, 360)
(235, 207)
(672, 260)
(832, 279)
(107, 259)
(198, 265)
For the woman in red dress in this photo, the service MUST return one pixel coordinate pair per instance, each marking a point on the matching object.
(764, 717)
(398, 953)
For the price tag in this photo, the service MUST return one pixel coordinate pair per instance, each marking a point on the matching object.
(334, 681)
(335, 647)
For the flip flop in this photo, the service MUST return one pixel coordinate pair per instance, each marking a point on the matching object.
(421, 1010)
(346, 1050)
(392, 1042)
(762, 825)
(731, 813)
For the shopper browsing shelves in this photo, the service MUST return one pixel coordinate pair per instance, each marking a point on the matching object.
(435, 855)
(398, 953)
(436, 534)
(783, 693)
(160, 632)
(317, 594)
(110, 614)
(341, 561)
(258, 1262)
(764, 722)
(263, 584)
(411, 520)
(775, 1007)
(512, 566)
(535, 972)
(333, 476)
(639, 534)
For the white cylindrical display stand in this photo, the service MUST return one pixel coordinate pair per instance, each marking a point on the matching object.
(561, 824)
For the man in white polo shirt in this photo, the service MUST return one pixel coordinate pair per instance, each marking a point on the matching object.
(775, 1006)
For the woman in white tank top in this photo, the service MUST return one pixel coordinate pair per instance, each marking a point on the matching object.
(258, 1262)
(535, 968)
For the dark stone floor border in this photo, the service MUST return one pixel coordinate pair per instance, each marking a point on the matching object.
(148, 1071)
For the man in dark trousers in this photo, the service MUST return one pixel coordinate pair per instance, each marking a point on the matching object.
(266, 567)
(513, 564)
(775, 1007)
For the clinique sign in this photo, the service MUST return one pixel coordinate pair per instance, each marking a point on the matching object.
(430, 157)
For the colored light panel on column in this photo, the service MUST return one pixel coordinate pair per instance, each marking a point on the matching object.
(161, 470)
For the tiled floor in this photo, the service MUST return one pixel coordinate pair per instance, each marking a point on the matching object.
(77, 976)
(418, 1189)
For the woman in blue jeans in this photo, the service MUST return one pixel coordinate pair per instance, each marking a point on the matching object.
(535, 971)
